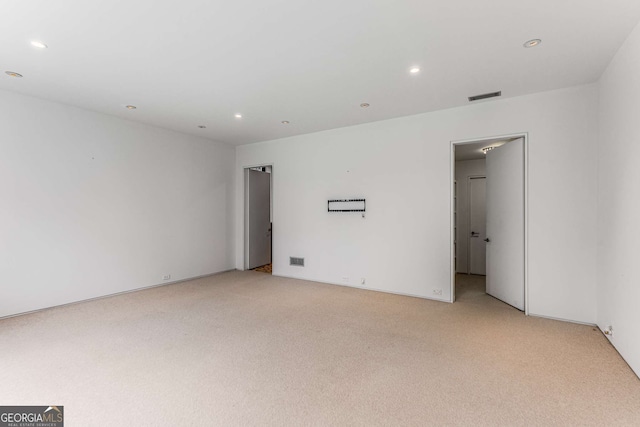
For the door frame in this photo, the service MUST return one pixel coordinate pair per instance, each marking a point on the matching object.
(452, 154)
(245, 228)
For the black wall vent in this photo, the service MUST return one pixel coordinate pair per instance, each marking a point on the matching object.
(296, 261)
(484, 96)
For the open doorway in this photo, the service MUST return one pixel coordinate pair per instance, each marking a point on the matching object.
(258, 222)
(489, 219)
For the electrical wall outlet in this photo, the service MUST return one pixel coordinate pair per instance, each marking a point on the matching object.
(166, 277)
(437, 292)
(363, 281)
(345, 279)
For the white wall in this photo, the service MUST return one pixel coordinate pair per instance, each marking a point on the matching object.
(93, 205)
(402, 167)
(619, 200)
(464, 170)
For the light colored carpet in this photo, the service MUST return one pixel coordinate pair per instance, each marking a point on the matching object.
(247, 348)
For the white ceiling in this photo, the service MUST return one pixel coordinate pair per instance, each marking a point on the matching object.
(198, 62)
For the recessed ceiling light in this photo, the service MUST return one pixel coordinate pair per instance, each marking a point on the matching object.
(130, 107)
(414, 70)
(487, 149)
(364, 105)
(13, 74)
(285, 122)
(202, 126)
(238, 116)
(532, 43)
(38, 44)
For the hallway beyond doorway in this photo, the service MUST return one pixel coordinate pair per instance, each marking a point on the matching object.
(469, 286)
(264, 269)
(501, 163)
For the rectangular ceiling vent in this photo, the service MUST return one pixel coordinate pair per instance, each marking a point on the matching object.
(296, 261)
(485, 96)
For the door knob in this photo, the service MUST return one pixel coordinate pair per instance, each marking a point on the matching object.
(474, 234)
(487, 240)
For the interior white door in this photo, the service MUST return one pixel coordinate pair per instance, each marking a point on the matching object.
(505, 223)
(477, 226)
(259, 217)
